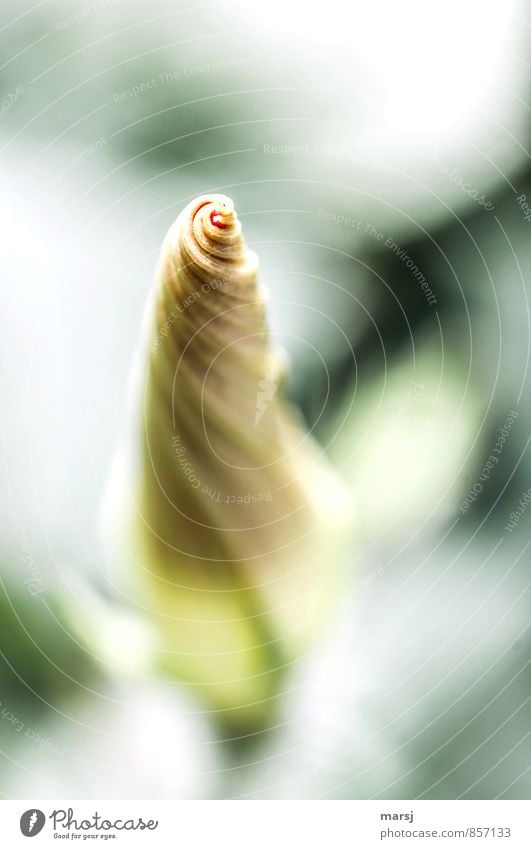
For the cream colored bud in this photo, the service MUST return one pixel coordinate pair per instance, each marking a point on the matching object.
(222, 505)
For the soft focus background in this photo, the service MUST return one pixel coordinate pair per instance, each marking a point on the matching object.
(378, 156)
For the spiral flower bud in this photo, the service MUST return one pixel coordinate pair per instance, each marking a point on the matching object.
(227, 504)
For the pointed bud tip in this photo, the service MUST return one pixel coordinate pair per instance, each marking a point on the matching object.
(223, 214)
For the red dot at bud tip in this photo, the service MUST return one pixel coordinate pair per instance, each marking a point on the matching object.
(217, 220)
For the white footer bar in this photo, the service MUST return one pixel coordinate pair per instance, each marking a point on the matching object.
(266, 824)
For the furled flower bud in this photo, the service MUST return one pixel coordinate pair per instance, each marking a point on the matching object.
(229, 512)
